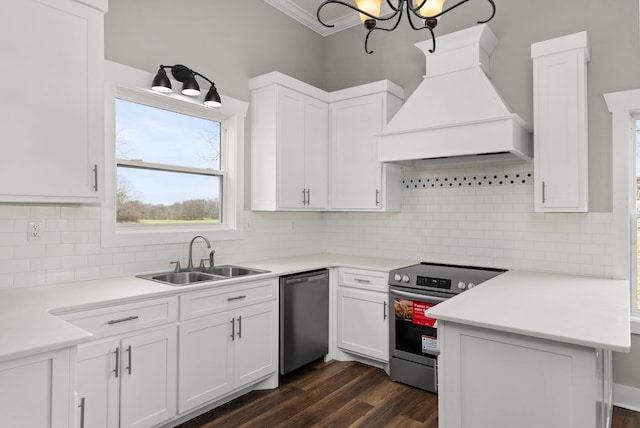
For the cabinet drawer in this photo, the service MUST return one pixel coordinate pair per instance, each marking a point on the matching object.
(208, 302)
(365, 279)
(127, 317)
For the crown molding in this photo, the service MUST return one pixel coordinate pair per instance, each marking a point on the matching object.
(290, 8)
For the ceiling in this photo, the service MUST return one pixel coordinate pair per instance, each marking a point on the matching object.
(304, 11)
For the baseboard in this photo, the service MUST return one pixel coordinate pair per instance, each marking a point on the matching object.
(626, 397)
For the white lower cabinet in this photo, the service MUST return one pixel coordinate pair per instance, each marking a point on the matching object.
(490, 379)
(362, 313)
(36, 391)
(128, 381)
(230, 349)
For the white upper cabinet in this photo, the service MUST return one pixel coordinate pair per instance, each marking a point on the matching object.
(560, 123)
(358, 180)
(51, 113)
(313, 150)
(289, 144)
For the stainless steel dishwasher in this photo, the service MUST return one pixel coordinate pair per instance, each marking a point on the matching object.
(304, 318)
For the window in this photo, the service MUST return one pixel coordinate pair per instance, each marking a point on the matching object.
(636, 230)
(173, 166)
(169, 168)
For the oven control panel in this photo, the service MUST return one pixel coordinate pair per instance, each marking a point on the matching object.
(426, 281)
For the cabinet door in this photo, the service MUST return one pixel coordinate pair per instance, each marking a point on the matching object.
(36, 391)
(52, 131)
(148, 384)
(98, 376)
(206, 360)
(291, 133)
(363, 324)
(356, 175)
(316, 152)
(560, 130)
(256, 340)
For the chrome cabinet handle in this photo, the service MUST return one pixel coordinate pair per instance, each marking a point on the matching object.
(95, 177)
(377, 197)
(131, 318)
(81, 406)
(233, 329)
(116, 370)
(240, 327)
(304, 196)
(231, 299)
(362, 281)
(543, 192)
(308, 196)
(384, 310)
(129, 355)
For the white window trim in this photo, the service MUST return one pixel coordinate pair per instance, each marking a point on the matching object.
(624, 107)
(119, 77)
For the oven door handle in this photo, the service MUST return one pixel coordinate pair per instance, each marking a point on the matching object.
(420, 297)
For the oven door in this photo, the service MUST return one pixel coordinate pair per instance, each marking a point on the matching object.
(413, 336)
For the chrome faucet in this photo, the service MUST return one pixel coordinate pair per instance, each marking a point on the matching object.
(190, 265)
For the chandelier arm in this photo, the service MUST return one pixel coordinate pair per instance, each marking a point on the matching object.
(398, 7)
(493, 13)
(366, 39)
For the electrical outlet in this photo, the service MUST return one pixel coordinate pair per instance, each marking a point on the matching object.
(35, 230)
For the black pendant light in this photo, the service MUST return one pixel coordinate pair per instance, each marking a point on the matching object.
(190, 86)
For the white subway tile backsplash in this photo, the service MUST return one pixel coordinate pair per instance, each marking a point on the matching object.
(482, 224)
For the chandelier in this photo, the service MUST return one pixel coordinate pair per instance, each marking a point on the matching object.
(426, 12)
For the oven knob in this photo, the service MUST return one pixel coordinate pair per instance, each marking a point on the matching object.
(471, 285)
(397, 277)
(405, 278)
(462, 285)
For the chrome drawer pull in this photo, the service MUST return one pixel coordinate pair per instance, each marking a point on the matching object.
(131, 318)
(116, 369)
(81, 406)
(231, 299)
(129, 352)
(362, 281)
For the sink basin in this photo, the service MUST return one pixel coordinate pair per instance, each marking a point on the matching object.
(232, 271)
(202, 275)
(181, 278)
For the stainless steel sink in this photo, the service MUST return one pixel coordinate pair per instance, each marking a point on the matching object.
(233, 271)
(194, 276)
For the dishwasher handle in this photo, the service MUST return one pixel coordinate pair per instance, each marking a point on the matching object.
(299, 280)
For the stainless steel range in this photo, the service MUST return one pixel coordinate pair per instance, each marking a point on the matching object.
(413, 336)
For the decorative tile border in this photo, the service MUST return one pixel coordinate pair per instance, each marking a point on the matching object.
(470, 180)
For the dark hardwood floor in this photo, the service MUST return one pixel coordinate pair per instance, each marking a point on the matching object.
(341, 394)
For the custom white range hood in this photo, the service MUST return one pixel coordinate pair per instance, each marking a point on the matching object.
(456, 115)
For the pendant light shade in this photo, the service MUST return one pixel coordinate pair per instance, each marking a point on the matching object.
(190, 86)
(161, 82)
(372, 7)
(212, 99)
(432, 8)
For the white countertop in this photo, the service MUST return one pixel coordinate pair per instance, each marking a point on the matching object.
(28, 327)
(581, 310)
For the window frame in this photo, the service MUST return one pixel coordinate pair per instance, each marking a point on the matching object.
(132, 85)
(625, 109)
